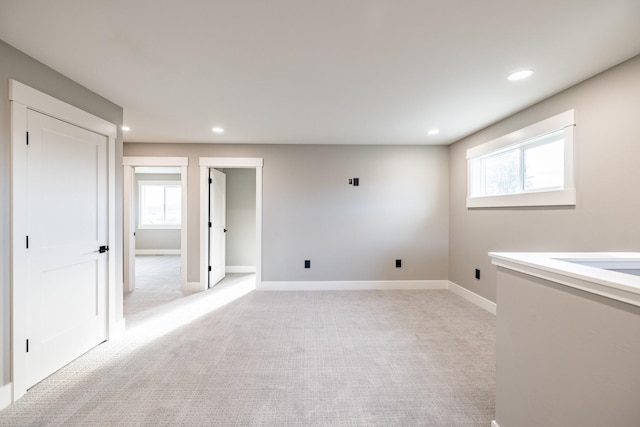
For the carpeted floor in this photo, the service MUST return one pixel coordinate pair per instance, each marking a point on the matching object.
(157, 283)
(364, 358)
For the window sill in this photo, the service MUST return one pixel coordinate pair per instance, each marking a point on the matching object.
(159, 227)
(566, 197)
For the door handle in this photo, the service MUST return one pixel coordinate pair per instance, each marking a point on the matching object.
(103, 249)
(225, 230)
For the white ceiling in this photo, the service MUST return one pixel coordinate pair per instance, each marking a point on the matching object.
(323, 71)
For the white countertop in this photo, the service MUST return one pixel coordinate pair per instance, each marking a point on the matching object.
(565, 268)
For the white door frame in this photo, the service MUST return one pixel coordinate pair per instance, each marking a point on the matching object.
(25, 98)
(129, 225)
(207, 163)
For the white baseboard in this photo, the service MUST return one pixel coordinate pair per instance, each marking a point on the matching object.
(240, 269)
(118, 329)
(158, 252)
(6, 395)
(193, 287)
(494, 423)
(473, 298)
(354, 285)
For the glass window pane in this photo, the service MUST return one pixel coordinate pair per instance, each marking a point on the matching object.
(172, 205)
(152, 209)
(502, 173)
(544, 165)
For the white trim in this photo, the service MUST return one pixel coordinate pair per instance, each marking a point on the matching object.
(18, 253)
(565, 269)
(193, 287)
(205, 164)
(53, 107)
(240, 269)
(129, 163)
(566, 197)
(113, 293)
(472, 297)
(363, 285)
(158, 251)
(184, 169)
(118, 328)
(552, 124)
(155, 161)
(158, 227)
(494, 423)
(6, 397)
(232, 162)
(259, 227)
(22, 98)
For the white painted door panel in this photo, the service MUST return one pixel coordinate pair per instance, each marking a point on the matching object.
(67, 222)
(218, 220)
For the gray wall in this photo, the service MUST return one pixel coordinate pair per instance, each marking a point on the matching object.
(241, 217)
(16, 65)
(607, 145)
(155, 238)
(400, 210)
(558, 370)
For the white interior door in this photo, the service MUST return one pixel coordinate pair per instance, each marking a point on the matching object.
(217, 224)
(67, 223)
(129, 228)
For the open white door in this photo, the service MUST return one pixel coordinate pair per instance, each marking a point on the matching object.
(129, 228)
(217, 224)
(67, 225)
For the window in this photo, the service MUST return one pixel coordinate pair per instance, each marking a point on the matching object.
(159, 204)
(530, 167)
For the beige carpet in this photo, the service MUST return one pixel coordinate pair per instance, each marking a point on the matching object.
(365, 358)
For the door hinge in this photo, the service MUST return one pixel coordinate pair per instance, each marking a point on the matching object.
(27, 346)
(27, 242)
(210, 181)
(209, 268)
(209, 224)
(27, 138)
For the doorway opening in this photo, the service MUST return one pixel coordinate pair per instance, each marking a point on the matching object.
(240, 252)
(232, 231)
(155, 224)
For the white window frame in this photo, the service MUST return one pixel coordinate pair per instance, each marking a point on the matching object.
(565, 196)
(156, 226)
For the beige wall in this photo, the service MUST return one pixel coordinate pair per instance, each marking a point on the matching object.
(607, 145)
(16, 65)
(400, 209)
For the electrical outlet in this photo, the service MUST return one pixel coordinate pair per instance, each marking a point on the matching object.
(398, 263)
(477, 274)
(307, 263)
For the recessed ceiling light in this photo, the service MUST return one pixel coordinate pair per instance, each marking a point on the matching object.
(217, 130)
(126, 128)
(433, 131)
(519, 75)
